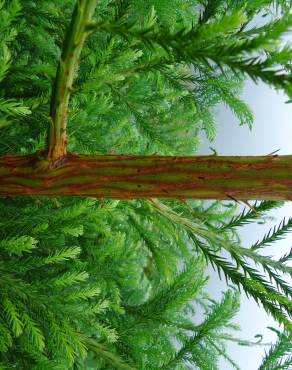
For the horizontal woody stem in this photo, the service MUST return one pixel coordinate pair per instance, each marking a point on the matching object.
(128, 177)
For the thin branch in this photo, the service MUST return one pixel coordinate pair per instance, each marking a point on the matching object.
(73, 44)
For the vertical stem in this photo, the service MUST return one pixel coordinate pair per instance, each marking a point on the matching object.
(73, 44)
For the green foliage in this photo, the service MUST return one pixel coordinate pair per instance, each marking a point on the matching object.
(94, 261)
(205, 238)
(277, 233)
(99, 284)
(197, 349)
(254, 52)
(247, 216)
(279, 356)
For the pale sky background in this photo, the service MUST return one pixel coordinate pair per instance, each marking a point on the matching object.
(272, 131)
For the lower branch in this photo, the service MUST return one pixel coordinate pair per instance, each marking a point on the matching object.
(125, 177)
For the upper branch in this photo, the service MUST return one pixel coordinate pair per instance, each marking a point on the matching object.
(74, 40)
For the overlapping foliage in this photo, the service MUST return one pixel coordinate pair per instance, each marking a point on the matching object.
(100, 284)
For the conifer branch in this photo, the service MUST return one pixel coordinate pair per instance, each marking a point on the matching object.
(274, 234)
(248, 216)
(128, 177)
(254, 286)
(241, 274)
(109, 357)
(101, 283)
(203, 45)
(219, 316)
(68, 64)
(223, 353)
(280, 354)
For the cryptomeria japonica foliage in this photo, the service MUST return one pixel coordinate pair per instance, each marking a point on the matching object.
(101, 99)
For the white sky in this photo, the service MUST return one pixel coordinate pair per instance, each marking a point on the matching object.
(272, 131)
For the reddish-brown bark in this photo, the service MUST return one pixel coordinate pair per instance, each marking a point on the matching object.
(125, 177)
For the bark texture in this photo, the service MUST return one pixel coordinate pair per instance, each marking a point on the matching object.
(124, 177)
